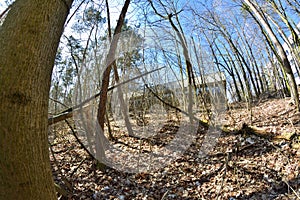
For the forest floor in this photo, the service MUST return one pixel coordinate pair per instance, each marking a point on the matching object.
(257, 156)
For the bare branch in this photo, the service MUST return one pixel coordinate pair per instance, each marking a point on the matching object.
(68, 113)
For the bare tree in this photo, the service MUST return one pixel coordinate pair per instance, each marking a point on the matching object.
(171, 17)
(259, 15)
(100, 154)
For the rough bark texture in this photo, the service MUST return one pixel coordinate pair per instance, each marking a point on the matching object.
(29, 38)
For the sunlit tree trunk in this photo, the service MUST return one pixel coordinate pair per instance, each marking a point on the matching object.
(29, 38)
(294, 5)
(172, 18)
(292, 45)
(229, 70)
(252, 58)
(281, 12)
(281, 53)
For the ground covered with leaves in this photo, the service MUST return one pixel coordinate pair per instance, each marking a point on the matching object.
(257, 156)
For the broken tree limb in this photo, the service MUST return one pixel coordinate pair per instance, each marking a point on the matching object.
(68, 113)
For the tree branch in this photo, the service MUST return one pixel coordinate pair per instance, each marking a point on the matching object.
(68, 113)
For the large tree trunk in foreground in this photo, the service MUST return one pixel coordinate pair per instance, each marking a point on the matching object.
(29, 38)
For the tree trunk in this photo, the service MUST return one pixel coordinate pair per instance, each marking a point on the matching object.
(29, 38)
(281, 53)
(117, 79)
(100, 154)
(231, 73)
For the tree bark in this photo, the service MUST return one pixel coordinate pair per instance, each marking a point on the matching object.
(117, 79)
(281, 53)
(29, 38)
(100, 154)
(229, 70)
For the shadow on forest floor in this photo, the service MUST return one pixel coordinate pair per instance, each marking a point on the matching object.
(242, 165)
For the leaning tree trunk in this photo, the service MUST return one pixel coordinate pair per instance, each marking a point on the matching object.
(281, 53)
(100, 153)
(29, 38)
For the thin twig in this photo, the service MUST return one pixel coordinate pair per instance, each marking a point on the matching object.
(78, 140)
(5, 11)
(75, 170)
(298, 197)
(72, 15)
(165, 194)
(63, 177)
